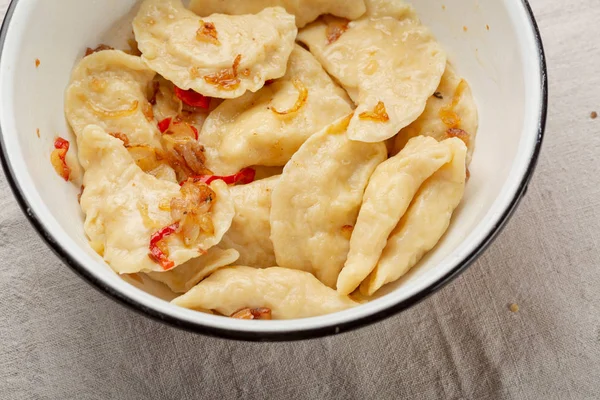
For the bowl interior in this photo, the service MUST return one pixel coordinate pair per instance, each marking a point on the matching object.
(492, 44)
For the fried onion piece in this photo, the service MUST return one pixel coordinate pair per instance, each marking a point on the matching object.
(302, 99)
(208, 33)
(253, 313)
(226, 79)
(192, 209)
(379, 114)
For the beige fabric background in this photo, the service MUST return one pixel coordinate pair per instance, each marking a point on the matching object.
(61, 339)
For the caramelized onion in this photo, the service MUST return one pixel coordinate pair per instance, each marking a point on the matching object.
(208, 33)
(113, 114)
(335, 28)
(122, 137)
(226, 79)
(447, 114)
(379, 114)
(253, 313)
(192, 209)
(302, 98)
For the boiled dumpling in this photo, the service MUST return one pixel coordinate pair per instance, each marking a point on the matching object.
(389, 67)
(287, 293)
(451, 112)
(305, 11)
(252, 130)
(218, 56)
(250, 232)
(390, 8)
(125, 207)
(424, 223)
(389, 193)
(110, 89)
(186, 276)
(316, 202)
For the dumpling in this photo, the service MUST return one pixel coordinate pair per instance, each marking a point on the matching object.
(390, 8)
(450, 112)
(218, 56)
(126, 209)
(389, 68)
(287, 293)
(316, 202)
(252, 130)
(389, 193)
(186, 276)
(110, 89)
(250, 232)
(305, 11)
(424, 223)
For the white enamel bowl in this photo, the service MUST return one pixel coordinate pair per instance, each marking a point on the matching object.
(504, 65)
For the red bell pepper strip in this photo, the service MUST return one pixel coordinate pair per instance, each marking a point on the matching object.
(195, 131)
(155, 252)
(164, 125)
(245, 176)
(61, 147)
(192, 98)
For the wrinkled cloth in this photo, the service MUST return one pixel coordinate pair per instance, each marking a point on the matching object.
(62, 339)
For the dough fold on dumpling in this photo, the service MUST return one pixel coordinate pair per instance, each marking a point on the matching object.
(391, 189)
(250, 232)
(451, 112)
(218, 56)
(390, 8)
(251, 130)
(424, 223)
(305, 11)
(316, 202)
(287, 293)
(389, 67)
(110, 89)
(124, 207)
(186, 276)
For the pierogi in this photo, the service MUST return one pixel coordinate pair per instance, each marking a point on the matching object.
(287, 293)
(450, 112)
(250, 232)
(317, 200)
(110, 89)
(124, 207)
(389, 67)
(268, 127)
(305, 11)
(233, 171)
(219, 56)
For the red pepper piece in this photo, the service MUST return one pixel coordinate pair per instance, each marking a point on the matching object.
(192, 98)
(156, 253)
(195, 131)
(244, 177)
(58, 158)
(164, 125)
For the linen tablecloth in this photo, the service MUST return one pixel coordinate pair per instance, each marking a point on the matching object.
(61, 339)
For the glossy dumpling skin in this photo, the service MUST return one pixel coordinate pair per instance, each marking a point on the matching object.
(390, 8)
(110, 89)
(316, 202)
(391, 189)
(424, 223)
(287, 293)
(172, 43)
(305, 11)
(124, 207)
(250, 232)
(186, 276)
(453, 107)
(247, 131)
(389, 67)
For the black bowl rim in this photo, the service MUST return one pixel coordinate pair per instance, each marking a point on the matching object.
(291, 335)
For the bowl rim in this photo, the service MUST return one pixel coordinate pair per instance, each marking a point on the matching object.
(293, 334)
